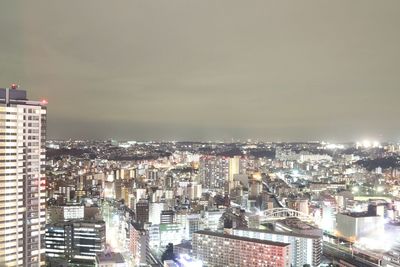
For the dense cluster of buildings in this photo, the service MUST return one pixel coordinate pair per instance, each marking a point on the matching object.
(304, 196)
(109, 203)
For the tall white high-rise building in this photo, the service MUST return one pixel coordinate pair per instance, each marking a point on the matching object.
(155, 210)
(22, 181)
(234, 166)
(234, 169)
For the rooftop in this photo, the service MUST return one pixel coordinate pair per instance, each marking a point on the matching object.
(186, 245)
(111, 257)
(253, 240)
(14, 95)
(278, 233)
(358, 214)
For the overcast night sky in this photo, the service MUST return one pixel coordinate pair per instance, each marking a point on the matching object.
(201, 70)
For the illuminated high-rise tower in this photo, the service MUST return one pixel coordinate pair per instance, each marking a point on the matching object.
(22, 181)
(234, 168)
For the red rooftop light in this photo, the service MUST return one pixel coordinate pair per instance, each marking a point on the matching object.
(14, 86)
(44, 102)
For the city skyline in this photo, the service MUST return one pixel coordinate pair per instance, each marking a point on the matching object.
(188, 133)
(287, 71)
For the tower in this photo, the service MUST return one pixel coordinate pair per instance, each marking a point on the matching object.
(234, 164)
(22, 181)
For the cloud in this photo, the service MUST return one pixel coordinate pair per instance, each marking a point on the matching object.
(206, 69)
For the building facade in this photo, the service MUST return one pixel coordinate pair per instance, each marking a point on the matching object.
(138, 244)
(110, 259)
(79, 240)
(22, 181)
(305, 249)
(353, 226)
(216, 249)
(142, 211)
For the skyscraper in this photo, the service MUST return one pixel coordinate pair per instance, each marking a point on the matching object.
(22, 181)
(234, 169)
(214, 171)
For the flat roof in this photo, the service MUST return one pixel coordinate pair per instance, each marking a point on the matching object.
(76, 221)
(253, 240)
(110, 257)
(186, 245)
(358, 214)
(279, 233)
(17, 96)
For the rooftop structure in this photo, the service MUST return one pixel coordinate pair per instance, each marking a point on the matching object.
(110, 259)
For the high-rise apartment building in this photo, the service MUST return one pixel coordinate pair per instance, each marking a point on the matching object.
(305, 249)
(217, 172)
(22, 181)
(214, 171)
(138, 243)
(217, 249)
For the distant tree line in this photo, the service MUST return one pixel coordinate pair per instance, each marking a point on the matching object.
(385, 163)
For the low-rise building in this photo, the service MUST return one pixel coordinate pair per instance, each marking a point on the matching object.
(353, 226)
(110, 259)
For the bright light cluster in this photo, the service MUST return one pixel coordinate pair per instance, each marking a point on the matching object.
(368, 144)
(334, 146)
(382, 243)
(186, 261)
(355, 189)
